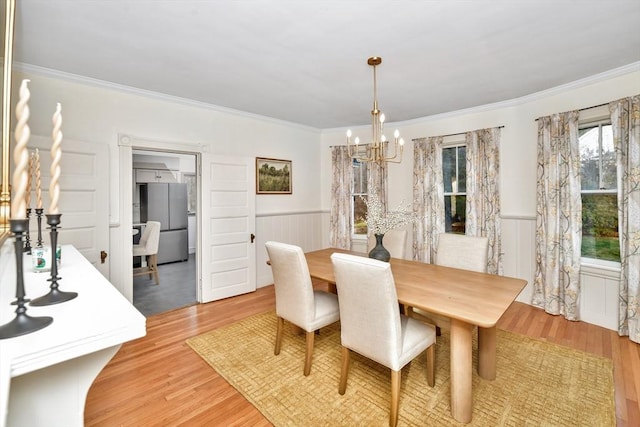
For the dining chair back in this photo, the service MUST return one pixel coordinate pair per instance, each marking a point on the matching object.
(296, 300)
(371, 323)
(148, 247)
(394, 241)
(456, 251)
(464, 252)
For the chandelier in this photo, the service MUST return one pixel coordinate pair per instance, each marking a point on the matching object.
(374, 151)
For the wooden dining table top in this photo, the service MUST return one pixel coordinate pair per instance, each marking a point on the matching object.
(472, 297)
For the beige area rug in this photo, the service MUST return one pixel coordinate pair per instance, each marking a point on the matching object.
(537, 384)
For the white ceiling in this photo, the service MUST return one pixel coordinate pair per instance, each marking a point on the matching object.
(305, 61)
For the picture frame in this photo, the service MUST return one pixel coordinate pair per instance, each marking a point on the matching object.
(273, 176)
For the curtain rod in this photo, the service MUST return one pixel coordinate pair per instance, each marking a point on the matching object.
(444, 136)
(459, 133)
(585, 108)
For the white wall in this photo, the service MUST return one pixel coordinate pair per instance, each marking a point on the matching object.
(98, 113)
(517, 168)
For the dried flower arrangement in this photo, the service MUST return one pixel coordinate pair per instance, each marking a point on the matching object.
(380, 222)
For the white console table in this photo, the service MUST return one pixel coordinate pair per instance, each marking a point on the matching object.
(45, 375)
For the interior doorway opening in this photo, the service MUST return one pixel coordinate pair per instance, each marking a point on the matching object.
(165, 190)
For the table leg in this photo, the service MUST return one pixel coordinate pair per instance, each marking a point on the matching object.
(461, 370)
(487, 353)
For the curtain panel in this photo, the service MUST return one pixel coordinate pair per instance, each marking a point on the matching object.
(428, 197)
(341, 182)
(377, 180)
(558, 216)
(625, 121)
(483, 192)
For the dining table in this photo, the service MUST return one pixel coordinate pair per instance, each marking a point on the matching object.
(467, 298)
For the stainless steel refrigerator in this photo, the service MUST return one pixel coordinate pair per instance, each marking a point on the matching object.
(167, 203)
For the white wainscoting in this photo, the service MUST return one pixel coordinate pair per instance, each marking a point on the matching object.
(599, 285)
(599, 289)
(518, 249)
(309, 230)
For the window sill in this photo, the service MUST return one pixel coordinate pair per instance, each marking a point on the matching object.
(600, 268)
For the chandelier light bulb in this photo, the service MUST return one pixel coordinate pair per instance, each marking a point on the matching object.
(383, 138)
(382, 118)
(357, 141)
(348, 133)
(401, 141)
(396, 134)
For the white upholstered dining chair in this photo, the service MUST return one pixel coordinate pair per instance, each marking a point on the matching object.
(296, 300)
(371, 323)
(458, 251)
(394, 241)
(148, 247)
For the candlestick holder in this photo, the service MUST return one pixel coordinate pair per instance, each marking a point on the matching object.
(27, 238)
(22, 324)
(55, 295)
(39, 219)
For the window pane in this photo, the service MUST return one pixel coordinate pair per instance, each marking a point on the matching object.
(600, 226)
(609, 170)
(589, 158)
(462, 169)
(359, 177)
(454, 214)
(359, 215)
(448, 168)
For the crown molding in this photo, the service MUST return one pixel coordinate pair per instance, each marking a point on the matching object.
(75, 78)
(103, 84)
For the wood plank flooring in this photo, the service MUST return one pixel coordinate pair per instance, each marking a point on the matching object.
(159, 381)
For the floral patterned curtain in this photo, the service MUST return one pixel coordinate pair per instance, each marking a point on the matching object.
(428, 197)
(377, 182)
(625, 121)
(558, 216)
(483, 191)
(341, 182)
(377, 179)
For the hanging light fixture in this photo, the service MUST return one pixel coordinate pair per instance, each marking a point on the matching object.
(374, 151)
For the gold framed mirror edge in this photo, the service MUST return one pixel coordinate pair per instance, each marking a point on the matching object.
(5, 193)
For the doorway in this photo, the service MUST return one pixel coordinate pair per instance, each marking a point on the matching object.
(176, 174)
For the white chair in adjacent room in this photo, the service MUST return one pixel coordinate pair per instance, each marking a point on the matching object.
(148, 247)
(371, 323)
(296, 300)
(394, 241)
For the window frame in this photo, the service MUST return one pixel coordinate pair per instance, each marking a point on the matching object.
(363, 177)
(455, 144)
(586, 261)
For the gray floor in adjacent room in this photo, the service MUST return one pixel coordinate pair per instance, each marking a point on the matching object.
(177, 288)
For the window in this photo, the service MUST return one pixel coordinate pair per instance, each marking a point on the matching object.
(454, 174)
(599, 192)
(358, 192)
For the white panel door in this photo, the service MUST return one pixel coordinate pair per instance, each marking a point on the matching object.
(228, 225)
(84, 198)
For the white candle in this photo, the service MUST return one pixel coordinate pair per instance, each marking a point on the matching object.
(20, 155)
(56, 155)
(38, 181)
(27, 195)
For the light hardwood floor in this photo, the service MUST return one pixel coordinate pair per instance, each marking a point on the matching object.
(159, 381)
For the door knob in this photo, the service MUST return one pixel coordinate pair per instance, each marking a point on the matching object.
(103, 256)
(253, 237)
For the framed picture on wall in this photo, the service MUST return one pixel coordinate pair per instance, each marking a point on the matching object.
(273, 176)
